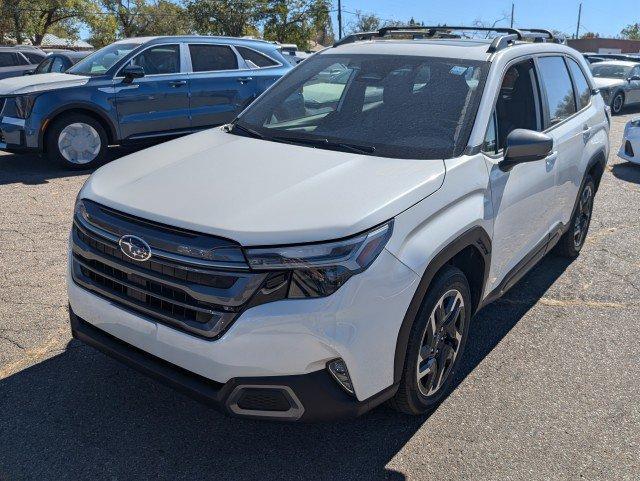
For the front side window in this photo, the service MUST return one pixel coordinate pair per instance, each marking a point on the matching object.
(159, 60)
(209, 58)
(583, 91)
(102, 60)
(58, 65)
(44, 66)
(400, 106)
(255, 59)
(557, 84)
(517, 106)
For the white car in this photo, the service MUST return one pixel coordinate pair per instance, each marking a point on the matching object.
(630, 148)
(320, 256)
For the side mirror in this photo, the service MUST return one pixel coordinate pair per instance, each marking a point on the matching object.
(525, 146)
(29, 72)
(634, 78)
(132, 72)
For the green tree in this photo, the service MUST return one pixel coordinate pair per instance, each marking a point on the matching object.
(631, 32)
(294, 21)
(364, 22)
(226, 17)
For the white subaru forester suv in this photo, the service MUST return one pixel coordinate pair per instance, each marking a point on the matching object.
(327, 250)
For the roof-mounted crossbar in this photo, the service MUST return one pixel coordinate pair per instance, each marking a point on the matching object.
(510, 35)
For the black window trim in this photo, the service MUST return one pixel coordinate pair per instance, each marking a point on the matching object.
(239, 59)
(278, 63)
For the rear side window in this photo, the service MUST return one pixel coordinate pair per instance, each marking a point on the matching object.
(557, 84)
(207, 58)
(258, 60)
(583, 91)
(33, 57)
(8, 59)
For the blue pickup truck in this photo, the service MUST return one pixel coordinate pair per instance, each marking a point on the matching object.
(135, 89)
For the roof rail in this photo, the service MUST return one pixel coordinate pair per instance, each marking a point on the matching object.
(431, 31)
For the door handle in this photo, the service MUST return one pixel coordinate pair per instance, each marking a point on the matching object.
(550, 160)
(244, 80)
(586, 133)
(178, 83)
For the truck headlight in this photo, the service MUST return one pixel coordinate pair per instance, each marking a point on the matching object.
(318, 270)
(24, 105)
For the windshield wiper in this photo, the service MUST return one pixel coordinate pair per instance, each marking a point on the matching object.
(247, 131)
(358, 149)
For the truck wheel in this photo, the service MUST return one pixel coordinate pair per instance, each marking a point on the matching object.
(436, 344)
(572, 241)
(77, 141)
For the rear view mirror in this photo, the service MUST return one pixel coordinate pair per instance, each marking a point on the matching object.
(132, 72)
(525, 146)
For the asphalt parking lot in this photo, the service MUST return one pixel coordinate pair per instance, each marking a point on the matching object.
(549, 389)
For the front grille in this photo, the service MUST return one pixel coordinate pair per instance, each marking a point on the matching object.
(201, 300)
(628, 149)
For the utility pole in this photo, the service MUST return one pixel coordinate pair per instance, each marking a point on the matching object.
(579, 15)
(339, 19)
(512, 8)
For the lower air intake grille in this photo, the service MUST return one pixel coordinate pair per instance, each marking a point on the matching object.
(628, 149)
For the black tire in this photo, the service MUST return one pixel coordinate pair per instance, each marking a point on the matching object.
(617, 103)
(55, 153)
(572, 241)
(411, 397)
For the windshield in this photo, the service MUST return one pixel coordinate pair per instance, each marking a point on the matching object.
(610, 71)
(99, 62)
(389, 106)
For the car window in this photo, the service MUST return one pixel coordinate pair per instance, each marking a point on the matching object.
(557, 84)
(58, 65)
(208, 58)
(8, 59)
(158, 60)
(608, 70)
(33, 57)
(255, 59)
(635, 72)
(583, 91)
(44, 66)
(399, 107)
(102, 60)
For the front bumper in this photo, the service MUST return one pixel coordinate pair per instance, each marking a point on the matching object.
(20, 135)
(359, 323)
(307, 397)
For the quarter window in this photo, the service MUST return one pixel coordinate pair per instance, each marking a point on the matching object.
(557, 84)
(490, 144)
(583, 91)
(255, 59)
(158, 60)
(207, 58)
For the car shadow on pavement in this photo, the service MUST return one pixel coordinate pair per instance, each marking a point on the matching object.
(81, 415)
(627, 171)
(32, 169)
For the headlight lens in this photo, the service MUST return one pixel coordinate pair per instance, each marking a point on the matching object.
(24, 105)
(318, 270)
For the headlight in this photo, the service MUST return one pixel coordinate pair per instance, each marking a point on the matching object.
(24, 105)
(318, 270)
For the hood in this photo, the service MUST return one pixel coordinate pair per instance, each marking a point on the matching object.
(258, 192)
(603, 83)
(28, 84)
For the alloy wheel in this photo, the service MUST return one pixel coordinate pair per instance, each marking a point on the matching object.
(583, 216)
(617, 103)
(79, 143)
(440, 342)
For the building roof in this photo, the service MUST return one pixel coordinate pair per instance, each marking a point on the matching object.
(50, 41)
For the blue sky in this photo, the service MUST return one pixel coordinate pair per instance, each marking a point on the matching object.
(605, 17)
